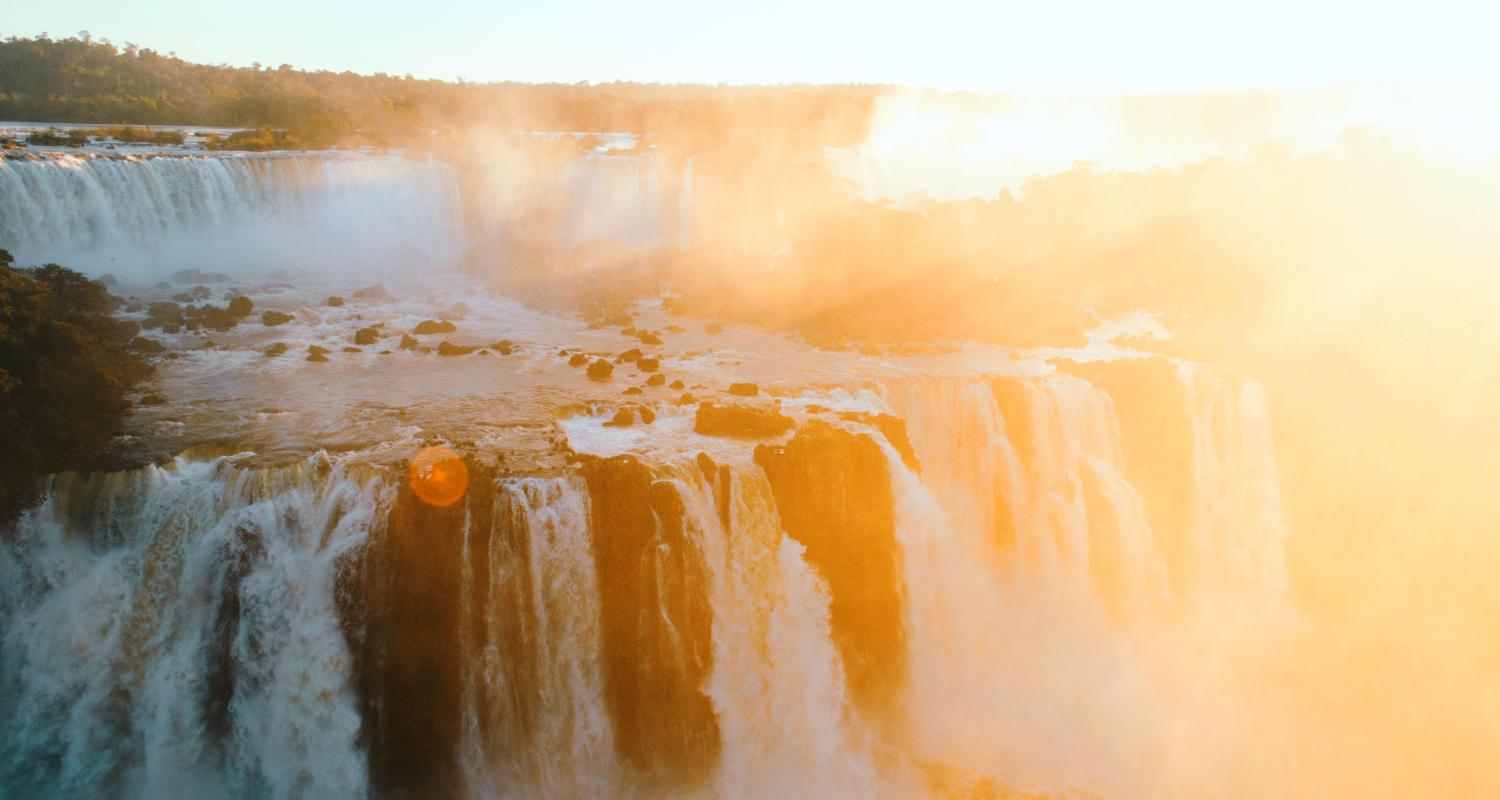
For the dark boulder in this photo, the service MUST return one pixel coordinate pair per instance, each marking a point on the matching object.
(600, 370)
(241, 306)
(431, 326)
(745, 422)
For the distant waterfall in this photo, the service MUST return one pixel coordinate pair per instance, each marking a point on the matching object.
(145, 217)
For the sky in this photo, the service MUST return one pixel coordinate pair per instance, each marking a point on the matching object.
(1028, 47)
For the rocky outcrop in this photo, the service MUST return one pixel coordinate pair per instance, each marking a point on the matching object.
(741, 421)
(241, 306)
(600, 370)
(833, 493)
(656, 624)
(402, 604)
(894, 430)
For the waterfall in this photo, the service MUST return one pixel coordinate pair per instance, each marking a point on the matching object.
(145, 217)
(174, 630)
(996, 616)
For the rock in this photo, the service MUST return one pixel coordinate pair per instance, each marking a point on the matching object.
(219, 319)
(352, 350)
(623, 418)
(274, 318)
(164, 311)
(430, 326)
(676, 329)
(504, 347)
(241, 306)
(376, 292)
(135, 307)
(894, 430)
(744, 422)
(687, 399)
(677, 384)
(128, 327)
(578, 360)
(600, 370)
(744, 389)
(183, 297)
(632, 390)
(171, 327)
(408, 342)
(656, 380)
(276, 349)
(833, 494)
(316, 357)
(655, 622)
(366, 336)
(649, 338)
(335, 301)
(647, 364)
(647, 415)
(316, 350)
(629, 331)
(449, 349)
(632, 354)
(153, 400)
(141, 344)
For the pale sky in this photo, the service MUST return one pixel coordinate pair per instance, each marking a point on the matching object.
(1037, 46)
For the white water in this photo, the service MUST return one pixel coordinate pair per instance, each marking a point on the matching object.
(143, 218)
(1042, 654)
(114, 597)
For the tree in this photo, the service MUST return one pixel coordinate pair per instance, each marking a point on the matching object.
(65, 366)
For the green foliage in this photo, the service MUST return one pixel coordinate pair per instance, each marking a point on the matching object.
(65, 366)
(92, 81)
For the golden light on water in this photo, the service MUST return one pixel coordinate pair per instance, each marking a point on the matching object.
(438, 476)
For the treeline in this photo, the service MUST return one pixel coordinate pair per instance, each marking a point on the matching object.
(85, 80)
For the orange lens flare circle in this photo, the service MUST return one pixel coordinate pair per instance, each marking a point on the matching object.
(438, 476)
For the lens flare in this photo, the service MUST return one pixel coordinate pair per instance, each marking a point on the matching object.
(438, 476)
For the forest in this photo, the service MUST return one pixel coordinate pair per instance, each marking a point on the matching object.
(86, 80)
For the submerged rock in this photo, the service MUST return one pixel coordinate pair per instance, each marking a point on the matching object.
(376, 292)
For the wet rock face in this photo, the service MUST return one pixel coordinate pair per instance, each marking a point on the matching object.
(656, 624)
(401, 600)
(833, 492)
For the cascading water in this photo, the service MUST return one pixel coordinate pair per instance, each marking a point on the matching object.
(174, 631)
(144, 217)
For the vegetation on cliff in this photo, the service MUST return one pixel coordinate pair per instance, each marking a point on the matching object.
(65, 366)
